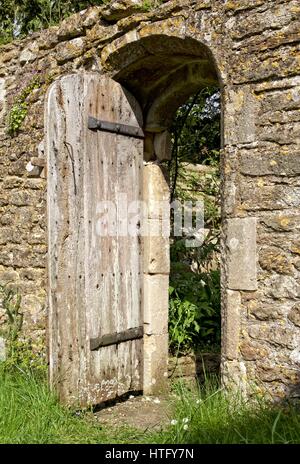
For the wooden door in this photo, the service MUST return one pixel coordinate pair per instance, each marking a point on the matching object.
(95, 318)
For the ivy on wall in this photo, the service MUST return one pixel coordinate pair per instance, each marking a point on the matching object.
(20, 106)
(21, 102)
(20, 352)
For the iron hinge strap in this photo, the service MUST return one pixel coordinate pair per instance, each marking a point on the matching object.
(115, 338)
(115, 128)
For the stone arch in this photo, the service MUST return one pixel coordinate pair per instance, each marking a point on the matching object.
(162, 71)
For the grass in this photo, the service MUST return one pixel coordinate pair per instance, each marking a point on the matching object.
(212, 416)
(31, 413)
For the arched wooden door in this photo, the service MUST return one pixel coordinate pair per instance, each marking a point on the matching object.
(94, 146)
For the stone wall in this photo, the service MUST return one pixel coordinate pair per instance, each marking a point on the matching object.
(252, 47)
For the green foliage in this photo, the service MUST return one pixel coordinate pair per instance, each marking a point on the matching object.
(196, 137)
(20, 17)
(19, 109)
(212, 415)
(11, 303)
(16, 117)
(149, 5)
(31, 413)
(196, 128)
(20, 352)
(26, 355)
(194, 311)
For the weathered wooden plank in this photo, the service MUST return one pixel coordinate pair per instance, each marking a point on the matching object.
(65, 227)
(130, 181)
(116, 269)
(95, 281)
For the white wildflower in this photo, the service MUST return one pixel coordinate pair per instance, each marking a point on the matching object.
(173, 422)
(185, 427)
(185, 420)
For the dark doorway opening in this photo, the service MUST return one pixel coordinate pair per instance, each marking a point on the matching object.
(194, 294)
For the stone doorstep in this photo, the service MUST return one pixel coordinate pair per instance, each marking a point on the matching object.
(191, 366)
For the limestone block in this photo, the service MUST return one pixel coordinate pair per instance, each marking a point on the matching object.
(156, 192)
(33, 170)
(241, 108)
(251, 350)
(284, 94)
(90, 16)
(107, 54)
(9, 54)
(48, 39)
(255, 20)
(265, 311)
(231, 324)
(25, 198)
(274, 334)
(29, 54)
(282, 286)
(270, 372)
(69, 50)
(234, 376)
(294, 315)
(43, 174)
(281, 161)
(280, 133)
(8, 275)
(156, 304)
(230, 197)
(261, 195)
(34, 309)
(156, 255)
(41, 149)
(280, 60)
(9, 235)
(163, 145)
(37, 161)
(274, 259)
(241, 253)
(282, 222)
(100, 34)
(158, 227)
(120, 9)
(155, 364)
(71, 27)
